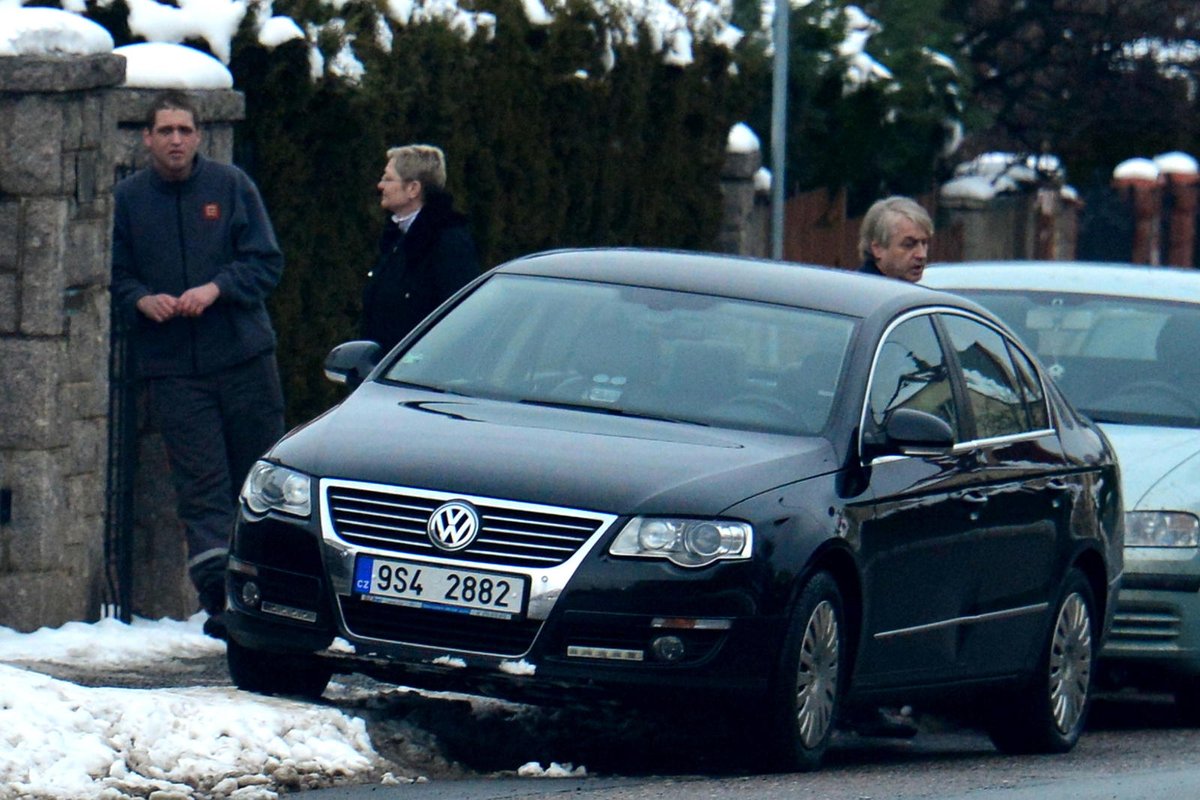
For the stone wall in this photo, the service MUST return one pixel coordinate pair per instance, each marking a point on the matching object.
(55, 223)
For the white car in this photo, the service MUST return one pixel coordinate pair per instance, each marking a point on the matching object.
(1123, 343)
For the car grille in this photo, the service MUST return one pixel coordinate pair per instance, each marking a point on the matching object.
(511, 535)
(437, 629)
(1145, 623)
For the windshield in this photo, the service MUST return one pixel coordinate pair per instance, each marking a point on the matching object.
(1117, 359)
(626, 350)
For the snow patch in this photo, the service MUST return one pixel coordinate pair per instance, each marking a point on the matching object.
(521, 667)
(50, 31)
(534, 769)
(157, 65)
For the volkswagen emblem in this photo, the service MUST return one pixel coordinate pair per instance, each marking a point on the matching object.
(453, 525)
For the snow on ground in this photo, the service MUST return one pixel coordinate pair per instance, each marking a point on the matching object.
(63, 741)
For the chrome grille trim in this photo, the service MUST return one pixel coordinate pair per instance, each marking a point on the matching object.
(546, 544)
(513, 534)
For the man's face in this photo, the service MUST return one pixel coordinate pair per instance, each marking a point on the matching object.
(398, 195)
(172, 143)
(907, 253)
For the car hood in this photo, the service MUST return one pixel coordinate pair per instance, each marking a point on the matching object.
(579, 459)
(1160, 467)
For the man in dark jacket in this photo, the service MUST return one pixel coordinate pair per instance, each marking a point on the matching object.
(426, 250)
(894, 239)
(194, 258)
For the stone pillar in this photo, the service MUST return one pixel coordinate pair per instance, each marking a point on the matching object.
(1181, 183)
(55, 224)
(160, 587)
(1138, 182)
(744, 211)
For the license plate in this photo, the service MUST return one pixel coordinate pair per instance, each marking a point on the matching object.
(461, 591)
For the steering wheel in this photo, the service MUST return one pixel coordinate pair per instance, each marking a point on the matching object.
(1161, 388)
(771, 405)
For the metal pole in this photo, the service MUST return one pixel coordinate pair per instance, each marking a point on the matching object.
(779, 124)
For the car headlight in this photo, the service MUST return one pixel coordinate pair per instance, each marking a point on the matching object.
(686, 542)
(1161, 529)
(270, 487)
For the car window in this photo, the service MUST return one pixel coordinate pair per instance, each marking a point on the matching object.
(1038, 416)
(910, 372)
(637, 351)
(994, 391)
(1117, 359)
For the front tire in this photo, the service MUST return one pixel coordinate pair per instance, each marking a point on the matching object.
(804, 698)
(290, 674)
(1047, 715)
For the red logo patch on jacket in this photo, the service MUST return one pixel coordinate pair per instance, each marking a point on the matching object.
(212, 211)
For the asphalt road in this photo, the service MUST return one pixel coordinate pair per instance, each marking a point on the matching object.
(1135, 749)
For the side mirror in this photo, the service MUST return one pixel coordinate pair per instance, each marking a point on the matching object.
(918, 433)
(912, 433)
(351, 362)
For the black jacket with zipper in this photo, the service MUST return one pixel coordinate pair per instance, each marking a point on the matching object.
(171, 236)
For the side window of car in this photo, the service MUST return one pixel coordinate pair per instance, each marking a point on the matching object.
(1035, 393)
(910, 372)
(993, 388)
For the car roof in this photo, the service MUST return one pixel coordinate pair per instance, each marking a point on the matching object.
(1180, 284)
(831, 289)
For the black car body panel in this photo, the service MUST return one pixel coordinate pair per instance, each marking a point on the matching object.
(949, 562)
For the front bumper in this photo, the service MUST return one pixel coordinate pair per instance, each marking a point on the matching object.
(616, 626)
(1156, 628)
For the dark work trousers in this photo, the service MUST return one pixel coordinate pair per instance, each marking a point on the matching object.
(214, 427)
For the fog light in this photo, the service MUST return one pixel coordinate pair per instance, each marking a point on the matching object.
(251, 596)
(667, 648)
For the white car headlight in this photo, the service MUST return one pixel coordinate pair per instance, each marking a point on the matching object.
(1161, 529)
(270, 487)
(686, 542)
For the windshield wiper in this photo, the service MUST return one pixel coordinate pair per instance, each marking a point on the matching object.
(611, 410)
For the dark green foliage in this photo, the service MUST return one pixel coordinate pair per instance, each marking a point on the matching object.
(545, 149)
(555, 137)
(881, 138)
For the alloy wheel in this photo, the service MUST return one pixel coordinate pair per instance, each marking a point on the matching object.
(818, 679)
(1070, 663)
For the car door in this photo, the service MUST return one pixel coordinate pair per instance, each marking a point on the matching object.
(914, 538)
(1020, 497)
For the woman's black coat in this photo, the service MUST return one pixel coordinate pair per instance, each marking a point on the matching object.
(418, 270)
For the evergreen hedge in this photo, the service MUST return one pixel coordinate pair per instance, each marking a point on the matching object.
(545, 148)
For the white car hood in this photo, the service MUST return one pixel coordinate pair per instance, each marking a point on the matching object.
(1160, 467)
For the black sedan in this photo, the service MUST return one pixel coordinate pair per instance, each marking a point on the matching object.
(789, 491)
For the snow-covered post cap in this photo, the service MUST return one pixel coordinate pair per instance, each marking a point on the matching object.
(51, 50)
(159, 65)
(1136, 172)
(742, 140)
(743, 154)
(50, 32)
(1178, 167)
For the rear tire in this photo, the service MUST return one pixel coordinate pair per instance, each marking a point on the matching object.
(803, 703)
(290, 674)
(1047, 715)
